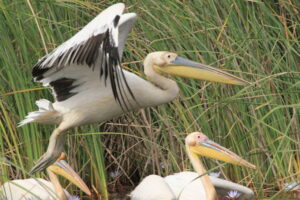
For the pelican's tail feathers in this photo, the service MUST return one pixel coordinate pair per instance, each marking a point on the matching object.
(45, 115)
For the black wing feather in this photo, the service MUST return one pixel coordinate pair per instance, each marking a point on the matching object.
(86, 53)
(63, 87)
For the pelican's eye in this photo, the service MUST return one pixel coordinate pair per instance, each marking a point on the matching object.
(200, 137)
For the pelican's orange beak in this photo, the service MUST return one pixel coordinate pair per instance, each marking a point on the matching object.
(211, 149)
(62, 168)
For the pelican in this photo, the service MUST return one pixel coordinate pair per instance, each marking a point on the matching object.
(89, 86)
(188, 185)
(41, 189)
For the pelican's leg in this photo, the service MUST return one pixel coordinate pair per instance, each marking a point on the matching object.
(54, 150)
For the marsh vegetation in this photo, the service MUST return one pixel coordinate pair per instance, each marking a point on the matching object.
(255, 40)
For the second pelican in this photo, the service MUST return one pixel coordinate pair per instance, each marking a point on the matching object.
(188, 185)
(40, 189)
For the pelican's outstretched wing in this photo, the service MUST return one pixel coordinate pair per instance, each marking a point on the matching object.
(98, 47)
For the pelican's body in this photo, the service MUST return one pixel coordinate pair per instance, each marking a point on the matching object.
(189, 185)
(92, 106)
(25, 189)
(186, 186)
(41, 189)
(193, 185)
(89, 85)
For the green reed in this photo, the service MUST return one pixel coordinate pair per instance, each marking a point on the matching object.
(256, 40)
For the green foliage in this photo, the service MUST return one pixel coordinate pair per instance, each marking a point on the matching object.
(255, 39)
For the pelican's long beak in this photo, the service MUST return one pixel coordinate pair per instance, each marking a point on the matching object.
(190, 69)
(211, 149)
(62, 168)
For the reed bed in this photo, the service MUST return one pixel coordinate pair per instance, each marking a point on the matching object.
(254, 39)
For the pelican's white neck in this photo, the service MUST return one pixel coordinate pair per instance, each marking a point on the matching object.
(169, 86)
(200, 169)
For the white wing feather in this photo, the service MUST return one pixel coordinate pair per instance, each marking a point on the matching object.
(28, 189)
(152, 187)
(98, 25)
(224, 186)
(97, 48)
(186, 185)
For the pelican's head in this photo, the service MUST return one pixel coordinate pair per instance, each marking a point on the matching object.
(171, 63)
(62, 168)
(199, 144)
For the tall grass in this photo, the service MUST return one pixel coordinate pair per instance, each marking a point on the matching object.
(256, 40)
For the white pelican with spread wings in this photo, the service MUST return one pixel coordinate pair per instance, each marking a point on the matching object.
(89, 85)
